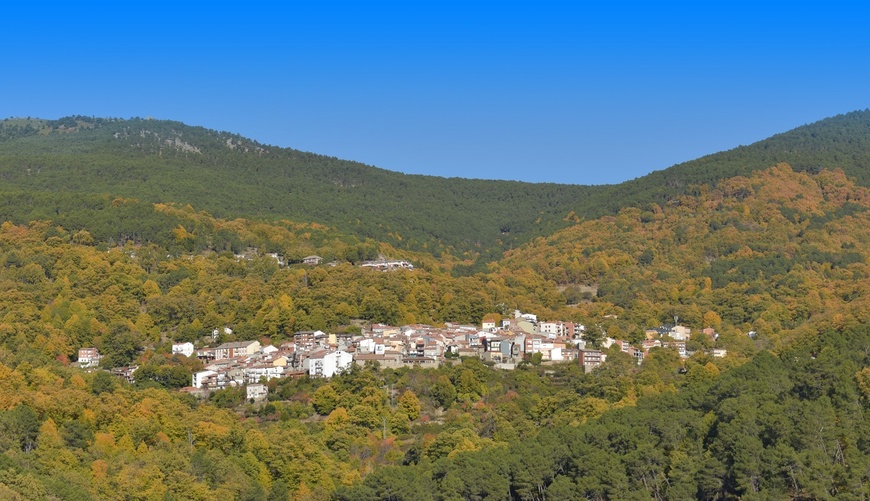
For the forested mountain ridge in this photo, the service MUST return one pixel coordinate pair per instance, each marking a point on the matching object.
(229, 176)
(65, 169)
(839, 142)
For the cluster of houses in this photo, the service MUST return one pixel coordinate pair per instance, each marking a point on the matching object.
(318, 354)
(387, 264)
(504, 343)
(382, 263)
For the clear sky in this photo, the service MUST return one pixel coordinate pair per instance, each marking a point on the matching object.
(568, 92)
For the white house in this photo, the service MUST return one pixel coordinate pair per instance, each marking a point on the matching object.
(199, 377)
(367, 345)
(312, 260)
(370, 345)
(326, 364)
(257, 391)
(185, 349)
(89, 357)
(554, 328)
(254, 373)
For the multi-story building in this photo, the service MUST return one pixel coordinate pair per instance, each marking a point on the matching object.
(590, 359)
(89, 357)
(236, 349)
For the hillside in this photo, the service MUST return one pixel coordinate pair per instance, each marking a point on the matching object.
(780, 252)
(781, 247)
(68, 170)
(229, 176)
(841, 142)
(782, 416)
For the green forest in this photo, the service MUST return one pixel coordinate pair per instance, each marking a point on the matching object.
(132, 235)
(74, 162)
(64, 169)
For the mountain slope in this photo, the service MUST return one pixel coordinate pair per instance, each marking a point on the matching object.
(840, 142)
(228, 176)
(54, 169)
(780, 252)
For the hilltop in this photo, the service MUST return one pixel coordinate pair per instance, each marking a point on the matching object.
(68, 170)
(842, 142)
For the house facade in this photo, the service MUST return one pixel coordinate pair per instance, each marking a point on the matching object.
(327, 363)
(312, 260)
(590, 359)
(89, 357)
(185, 349)
(257, 392)
(237, 349)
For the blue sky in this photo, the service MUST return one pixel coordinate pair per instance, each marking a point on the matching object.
(568, 92)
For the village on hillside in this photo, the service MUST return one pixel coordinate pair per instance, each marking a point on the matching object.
(502, 343)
